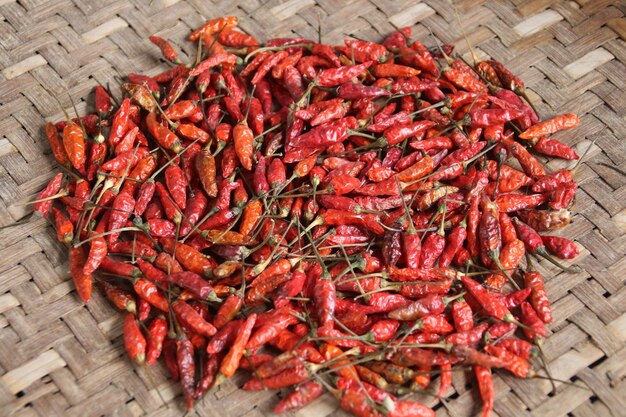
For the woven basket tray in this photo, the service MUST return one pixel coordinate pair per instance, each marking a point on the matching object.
(59, 357)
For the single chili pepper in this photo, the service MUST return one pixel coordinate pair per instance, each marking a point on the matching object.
(485, 386)
(463, 80)
(102, 100)
(515, 364)
(470, 337)
(355, 91)
(553, 147)
(432, 304)
(462, 315)
(231, 361)
(187, 315)
(82, 281)
(291, 376)
(56, 145)
(531, 166)
(547, 127)
(518, 347)
(121, 298)
(210, 367)
(499, 330)
(43, 204)
(259, 179)
(166, 48)
(507, 229)
(334, 77)
(149, 292)
(243, 141)
(134, 341)
(63, 225)
(551, 181)
(251, 215)
(191, 259)
(119, 125)
(150, 271)
(187, 368)
(538, 296)
(546, 220)
(302, 395)
(194, 283)
(535, 326)
(268, 63)
(560, 247)
(515, 298)
(490, 304)
(75, 147)
(163, 135)
(154, 342)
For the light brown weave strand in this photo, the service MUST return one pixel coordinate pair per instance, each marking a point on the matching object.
(61, 358)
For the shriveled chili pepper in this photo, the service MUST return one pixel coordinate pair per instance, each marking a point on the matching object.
(492, 305)
(301, 396)
(538, 296)
(553, 147)
(187, 368)
(560, 247)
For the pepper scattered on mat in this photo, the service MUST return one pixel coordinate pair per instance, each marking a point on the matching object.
(351, 219)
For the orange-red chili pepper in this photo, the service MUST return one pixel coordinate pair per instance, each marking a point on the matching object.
(547, 127)
(134, 340)
(231, 361)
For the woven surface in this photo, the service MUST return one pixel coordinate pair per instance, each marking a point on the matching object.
(60, 357)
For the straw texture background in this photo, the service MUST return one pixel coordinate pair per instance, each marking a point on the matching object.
(59, 357)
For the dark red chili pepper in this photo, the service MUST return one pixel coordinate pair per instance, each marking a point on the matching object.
(560, 247)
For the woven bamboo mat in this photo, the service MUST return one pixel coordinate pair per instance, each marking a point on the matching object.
(59, 357)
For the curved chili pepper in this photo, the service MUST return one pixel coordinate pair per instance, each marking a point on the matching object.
(538, 296)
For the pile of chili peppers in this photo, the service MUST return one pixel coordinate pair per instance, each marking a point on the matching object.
(351, 219)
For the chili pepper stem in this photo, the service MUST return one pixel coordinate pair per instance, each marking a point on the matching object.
(275, 48)
(546, 256)
(494, 258)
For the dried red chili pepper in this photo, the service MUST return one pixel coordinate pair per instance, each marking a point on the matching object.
(134, 340)
(230, 363)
